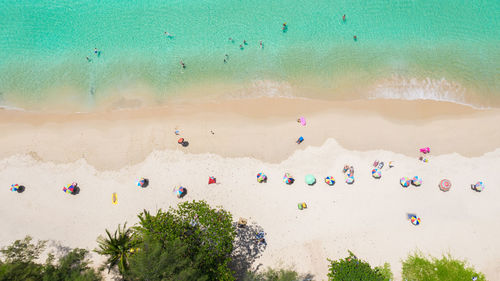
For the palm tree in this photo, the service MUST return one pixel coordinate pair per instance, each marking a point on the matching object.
(117, 247)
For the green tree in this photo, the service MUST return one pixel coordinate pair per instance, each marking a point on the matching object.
(73, 266)
(117, 247)
(20, 260)
(417, 267)
(157, 261)
(207, 232)
(21, 264)
(353, 269)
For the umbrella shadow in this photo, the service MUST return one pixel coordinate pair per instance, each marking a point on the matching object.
(248, 246)
(76, 190)
(21, 189)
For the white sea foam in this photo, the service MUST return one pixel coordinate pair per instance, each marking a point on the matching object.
(402, 88)
(265, 89)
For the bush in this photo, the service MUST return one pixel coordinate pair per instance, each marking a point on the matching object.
(417, 267)
(156, 261)
(21, 264)
(207, 233)
(274, 275)
(354, 269)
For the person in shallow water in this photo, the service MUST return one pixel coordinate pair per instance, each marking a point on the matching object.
(285, 27)
(260, 43)
(182, 64)
(355, 38)
(343, 17)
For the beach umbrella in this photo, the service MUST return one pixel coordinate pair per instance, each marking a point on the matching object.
(405, 181)
(376, 173)
(416, 181)
(180, 141)
(141, 182)
(287, 178)
(180, 191)
(479, 186)
(302, 121)
(14, 187)
(261, 177)
(445, 185)
(349, 180)
(70, 188)
(330, 180)
(415, 220)
(310, 179)
(211, 180)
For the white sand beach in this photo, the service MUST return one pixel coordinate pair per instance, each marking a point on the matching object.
(108, 152)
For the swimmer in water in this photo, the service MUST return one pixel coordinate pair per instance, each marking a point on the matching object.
(343, 17)
(285, 27)
(168, 34)
(245, 42)
(96, 51)
(355, 38)
(88, 59)
(260, 43)
(182, 64)
(226, 57)
(241, 46)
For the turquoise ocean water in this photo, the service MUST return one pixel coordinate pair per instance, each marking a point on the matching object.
(411, 49)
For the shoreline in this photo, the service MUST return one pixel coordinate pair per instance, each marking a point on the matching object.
(264, 128)
(106, 152)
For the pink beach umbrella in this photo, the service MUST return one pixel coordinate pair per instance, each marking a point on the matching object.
(445, 185)
(302, 121)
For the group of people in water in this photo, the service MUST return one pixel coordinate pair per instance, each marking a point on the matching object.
(284, 28)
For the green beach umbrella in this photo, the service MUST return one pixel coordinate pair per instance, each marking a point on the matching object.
(310, 179)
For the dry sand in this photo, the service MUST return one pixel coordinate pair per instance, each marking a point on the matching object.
(107, 152)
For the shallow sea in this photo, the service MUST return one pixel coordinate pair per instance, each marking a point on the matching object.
(409, 49)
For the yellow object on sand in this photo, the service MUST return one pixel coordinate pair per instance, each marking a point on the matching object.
(114, 198)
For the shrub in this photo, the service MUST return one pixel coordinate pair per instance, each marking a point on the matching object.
(417, 267)
(353, 269)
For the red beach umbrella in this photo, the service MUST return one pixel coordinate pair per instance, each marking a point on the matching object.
(445, 185)
(181, 140)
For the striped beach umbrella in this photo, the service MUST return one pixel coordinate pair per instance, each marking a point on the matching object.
(415, 220)
(416, 181)
(141, 182)
(70, 188)
(445, 185)
(376, 173)
(349, 180)
(14, 187)
(287, 178)
(261, 177)
(180, 191)
(479, 186)
(330, 180)
(310, 179)
(405, 181)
